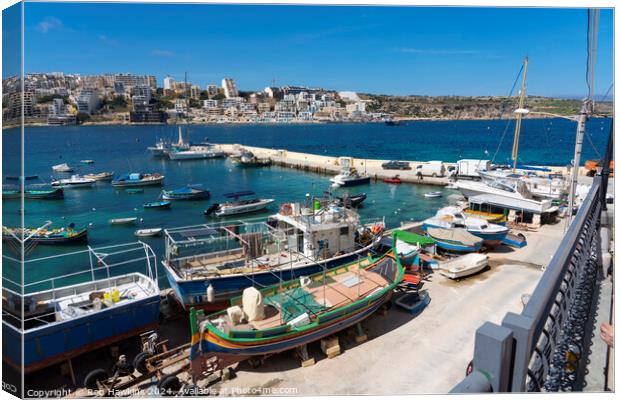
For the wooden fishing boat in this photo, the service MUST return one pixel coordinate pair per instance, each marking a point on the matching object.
(294, 313)
(190, 192)
(101, 176)
(148, 232)
(157, 205)
(45, 194)
(455, 239)
(463, 266)
(494, 218)
(137, 179)
(395, 179)
(60, 236)
(408, 245)
(122, 221)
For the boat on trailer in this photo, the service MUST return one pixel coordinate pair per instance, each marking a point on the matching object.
(206, 265)
(293, 313)
(63, 319)
(236, 206)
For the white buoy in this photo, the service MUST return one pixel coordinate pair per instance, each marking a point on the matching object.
(94, 209)
(210, 293)
(141, 219)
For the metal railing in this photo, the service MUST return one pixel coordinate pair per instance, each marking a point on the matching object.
(546, 346)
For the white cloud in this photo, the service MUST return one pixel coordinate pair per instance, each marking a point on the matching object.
(48, 24)
(162, 53)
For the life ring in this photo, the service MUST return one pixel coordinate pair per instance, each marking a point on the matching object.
(286, 209)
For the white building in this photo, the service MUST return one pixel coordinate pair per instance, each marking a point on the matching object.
(230, 89)
(208, 104)
(168, 83)
(88, 101)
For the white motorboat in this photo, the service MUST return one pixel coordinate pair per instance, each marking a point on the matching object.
(463, 266)
(64, 167)
(196, 153)
(514, 194)
(148, 232)
(349, 177)
(122, 221)
(237, 206)
(76, 181)
(453, 217)
(552, 187)
(138, 179)
(160, 149)
(432, 195)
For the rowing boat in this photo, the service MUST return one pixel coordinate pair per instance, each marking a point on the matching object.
(158, 205)
(122, 221)
(148, 232)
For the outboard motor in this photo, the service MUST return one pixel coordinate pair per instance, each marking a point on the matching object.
(212, 209)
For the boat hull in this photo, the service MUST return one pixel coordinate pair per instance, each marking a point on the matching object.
(245, 209)
(197, 196)
(488, 238)
(150, 182)
(44, 194)
(194, 156)
(352, 182)
(56, 240)
(52, 344)
(210, 343)
(193, 293)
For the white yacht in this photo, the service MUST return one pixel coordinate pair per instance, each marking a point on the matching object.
(553, 187)
(195, 153)
(76, 181)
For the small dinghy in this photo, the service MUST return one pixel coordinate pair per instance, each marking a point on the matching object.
(64, 167)
(87, 161)
(190, 192)
(395, 180)
(408, 246)
(122, 221)
(414, 302)
(464, 266)
(101, 176)
(350, 201)
(432, 195)
(157, 205)
(148, 232)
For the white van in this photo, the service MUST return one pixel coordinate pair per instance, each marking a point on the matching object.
(431, 168)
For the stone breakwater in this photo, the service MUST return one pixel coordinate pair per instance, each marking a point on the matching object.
(332, 165)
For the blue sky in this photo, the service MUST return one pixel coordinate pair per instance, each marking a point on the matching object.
(391, 50)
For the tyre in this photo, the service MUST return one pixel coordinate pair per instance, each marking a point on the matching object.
(94, 376)
(169, 385)
(139, 362)
(434, 175)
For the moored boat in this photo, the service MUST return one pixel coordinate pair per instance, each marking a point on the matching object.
(395, 180)
(349, 177)
(59, 236)
(148, 232)
(138, 179)
(101, 176)
(19, 178)
(11, 193)
(248, 159)
(189, 192)
(432, 195)
(76, 181)
(122, 221)
(196, 153)
(88, 161)
(235, 205)
(351, 201)
(294, 313)
(157, 205)
(44, 194)
(64, 167)
(96, 305)
(455, 239)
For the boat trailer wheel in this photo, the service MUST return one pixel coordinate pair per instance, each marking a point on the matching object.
(139, 362)
(169, 385)
(94, 377)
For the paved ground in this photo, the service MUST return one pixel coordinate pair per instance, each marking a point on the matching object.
(425, 354)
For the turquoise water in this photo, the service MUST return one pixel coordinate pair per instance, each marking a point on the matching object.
(123, 149)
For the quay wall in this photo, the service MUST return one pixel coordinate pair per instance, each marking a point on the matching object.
(331, 165)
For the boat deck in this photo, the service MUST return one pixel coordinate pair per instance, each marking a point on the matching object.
(338, 291)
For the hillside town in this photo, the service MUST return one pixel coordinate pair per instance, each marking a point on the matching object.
(68, 99)
(65, 99)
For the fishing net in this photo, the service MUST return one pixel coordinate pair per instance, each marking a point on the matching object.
(294, 302)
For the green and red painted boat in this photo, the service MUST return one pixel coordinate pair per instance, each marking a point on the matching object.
(292, 314)
(57, 236)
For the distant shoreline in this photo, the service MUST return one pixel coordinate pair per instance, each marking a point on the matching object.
(400, 119)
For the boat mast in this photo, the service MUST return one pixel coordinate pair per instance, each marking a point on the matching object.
(515, 143)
